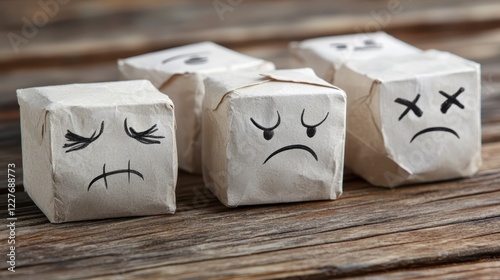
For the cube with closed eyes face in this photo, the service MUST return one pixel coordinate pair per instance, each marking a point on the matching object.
(326, 55)
(272, 138)
(93, 151)
(412, 119)
(179, 73)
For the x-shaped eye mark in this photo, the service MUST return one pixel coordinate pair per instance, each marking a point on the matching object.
(412, 105)
(451, 100)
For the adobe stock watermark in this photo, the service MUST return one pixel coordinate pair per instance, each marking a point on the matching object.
(225, 6)
(31, 26)
(489, 86)
(382, 18)
(433, 146)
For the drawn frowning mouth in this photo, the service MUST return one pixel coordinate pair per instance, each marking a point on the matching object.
(432, 129)
(105, 174)
(292, 147)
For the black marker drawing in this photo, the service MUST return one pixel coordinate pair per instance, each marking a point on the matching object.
(105, 174)
(368, 44)
(268, 132)
(412, 105)
(144, 136)
(339, 46)
(80, 142)
(450, 100)
(311, 129)
(432, 129)
(292, 147)
(192, 58)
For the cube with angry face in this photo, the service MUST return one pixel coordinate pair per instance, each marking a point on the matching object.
(93, 151)
(273, 138)
(413, 119)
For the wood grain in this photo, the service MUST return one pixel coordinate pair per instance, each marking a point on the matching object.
(487, 269)
(368, 230)
(129, 32)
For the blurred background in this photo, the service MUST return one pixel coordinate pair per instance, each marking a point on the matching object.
(46, 42)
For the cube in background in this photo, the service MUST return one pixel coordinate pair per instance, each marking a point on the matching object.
(327, 54)
(179, 73)
(271, 138)
(413, 118)
(93, 151)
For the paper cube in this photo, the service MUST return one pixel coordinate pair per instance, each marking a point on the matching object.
(326, 55)
(179, 73)
(413, 118)
(93, 151)
(271, 138)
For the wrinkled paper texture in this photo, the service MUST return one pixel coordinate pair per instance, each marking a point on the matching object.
(327, 54)
(435, 136)
(245, 165)
(179, 73)
(116, 174)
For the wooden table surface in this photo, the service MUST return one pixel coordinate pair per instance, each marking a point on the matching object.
(444, 230)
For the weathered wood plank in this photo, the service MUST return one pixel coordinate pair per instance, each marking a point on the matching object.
(251, 21)
(106, 70)
(368, 230)
(488, 269)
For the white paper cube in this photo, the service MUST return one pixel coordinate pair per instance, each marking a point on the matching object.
(93, 151)
(414, 118)
(271, 138)
(327, 54)
(179, 73)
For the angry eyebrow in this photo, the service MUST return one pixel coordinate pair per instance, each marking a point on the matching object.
(194, 58)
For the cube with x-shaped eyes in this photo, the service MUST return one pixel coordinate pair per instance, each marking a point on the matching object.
(413, 118)
(271, 138)
(93, 151)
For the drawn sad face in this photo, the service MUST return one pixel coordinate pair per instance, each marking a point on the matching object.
(411, 106)
(114, 156)
(77, 142)
(268, 133)
(432, 126)
(286, 148)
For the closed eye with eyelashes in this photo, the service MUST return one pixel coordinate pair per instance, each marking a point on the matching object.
(145, 137)
(78, 142)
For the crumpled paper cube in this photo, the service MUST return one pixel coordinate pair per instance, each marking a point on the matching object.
(327, 54)
(413, 118)
(179, 73)
(271, 138)
(93, 151)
